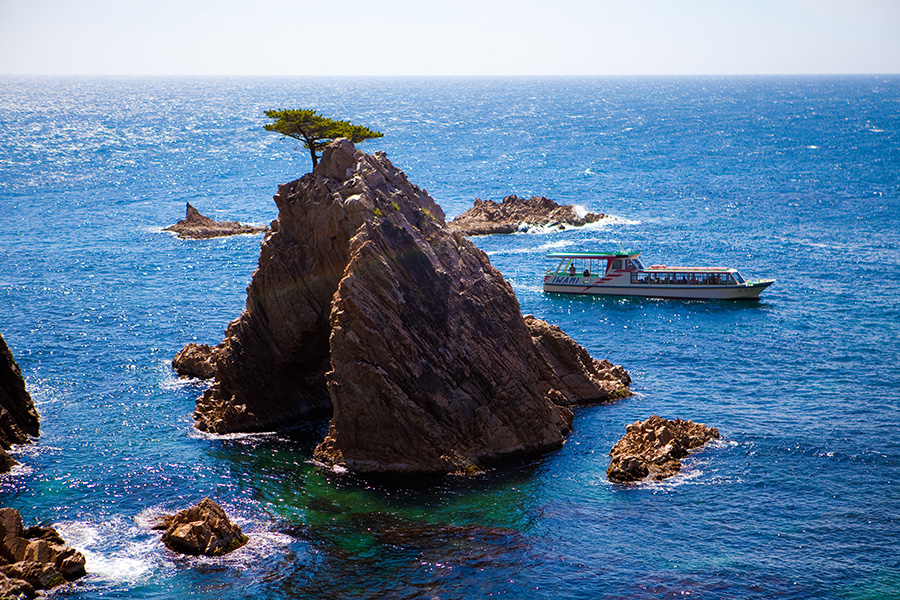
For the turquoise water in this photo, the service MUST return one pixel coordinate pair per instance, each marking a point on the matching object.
(792, 178)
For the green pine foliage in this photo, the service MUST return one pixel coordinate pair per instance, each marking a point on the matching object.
(316, 131)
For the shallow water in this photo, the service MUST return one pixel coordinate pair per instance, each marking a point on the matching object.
(792, 178)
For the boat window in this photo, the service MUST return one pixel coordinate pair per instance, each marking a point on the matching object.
(629, 265)
(638, 277)
(616, 264)
(738, 277)
(679, 278)
(700, 279)
(637, 264)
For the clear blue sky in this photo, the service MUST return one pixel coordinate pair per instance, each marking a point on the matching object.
(449, 37)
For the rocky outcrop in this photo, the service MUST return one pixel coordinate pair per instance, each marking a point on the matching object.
(519, 214)
(199, 227)
(568, 374)
(18, 417)
(203, 529)
(195, 360)
(652, 448)
(366, 304)
(33, 559)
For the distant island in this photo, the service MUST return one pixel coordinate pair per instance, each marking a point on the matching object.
(519, 214)
(199, 227)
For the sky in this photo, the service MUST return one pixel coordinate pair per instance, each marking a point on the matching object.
(449, 37)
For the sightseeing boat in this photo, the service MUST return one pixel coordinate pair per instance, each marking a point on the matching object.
(623, 274)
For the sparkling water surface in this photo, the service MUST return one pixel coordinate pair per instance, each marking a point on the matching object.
(792, 178)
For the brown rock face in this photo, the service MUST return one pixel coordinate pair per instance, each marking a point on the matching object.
(33, 559)
(202, 529)
(195, 360)
(514, 214)
(652, 448)
(196, 226)
(366, 303)
(18, 418)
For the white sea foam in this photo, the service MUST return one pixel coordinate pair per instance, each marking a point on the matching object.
(128, 559)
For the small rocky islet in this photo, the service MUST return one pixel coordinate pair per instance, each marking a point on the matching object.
(652, 449)
(200, 227)
(515, 214)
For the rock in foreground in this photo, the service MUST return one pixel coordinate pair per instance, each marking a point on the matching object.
(203, 529)
(515, 214)
(33, 559)
(652, 448)
(18, 417)
(366, 304)
(199, 227)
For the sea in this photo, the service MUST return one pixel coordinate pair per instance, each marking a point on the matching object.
(789, 177)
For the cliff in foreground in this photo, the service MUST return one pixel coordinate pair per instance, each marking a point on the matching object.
(365, 303)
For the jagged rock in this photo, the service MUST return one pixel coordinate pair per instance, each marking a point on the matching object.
(569, 373)
(366, 303)
(515, 214)
(202, 529)
(32, 559)
(195, 360)
(652, 448)
(199, 227)
(18, 417)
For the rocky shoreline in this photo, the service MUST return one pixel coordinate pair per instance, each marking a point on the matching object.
(365, 304)
(519, 214)
(34, 559)
(199, 227)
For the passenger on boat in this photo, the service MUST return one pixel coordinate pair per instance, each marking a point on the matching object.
(587, 273)
(572, 270)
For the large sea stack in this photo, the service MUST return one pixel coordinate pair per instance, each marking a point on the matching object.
(18, 418)
(366, 304)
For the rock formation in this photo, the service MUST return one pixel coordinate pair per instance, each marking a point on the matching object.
(195, 360)
(202, 529)
(199, 227)
(366, 304)
(517, 214)
(33, 559)
(652, 448)
(18, 418)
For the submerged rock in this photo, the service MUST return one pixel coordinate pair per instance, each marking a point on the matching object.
(33, 559)
(365, 303)
(18, 417)
(514, 214)
(652, 448)
(198, 227)
(203, 529)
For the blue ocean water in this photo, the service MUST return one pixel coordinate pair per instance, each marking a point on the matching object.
(796, 178)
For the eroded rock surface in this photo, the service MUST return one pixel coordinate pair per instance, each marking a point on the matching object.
(515, 214)
(365, 303)
(33, 559)
(203, 529)
(653, 448)
(195, 360)
(18, 417)
(197, 226)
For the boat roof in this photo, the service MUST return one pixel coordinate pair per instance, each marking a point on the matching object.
(595, 255)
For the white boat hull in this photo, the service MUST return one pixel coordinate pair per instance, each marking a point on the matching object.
(576, 285)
